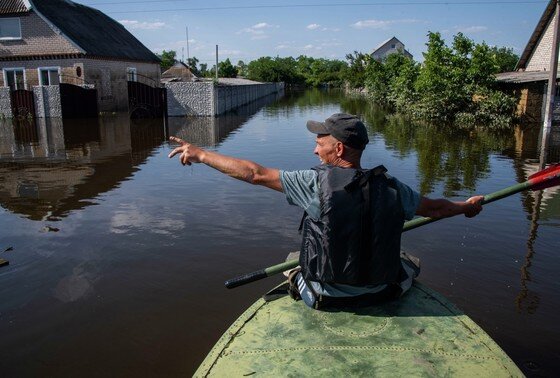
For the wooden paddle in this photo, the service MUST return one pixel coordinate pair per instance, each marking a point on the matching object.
(541, 180)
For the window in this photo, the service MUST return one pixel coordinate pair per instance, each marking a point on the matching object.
(49, 76)
(14, 78)
(10, 28)
(393, 46)
(131, 74)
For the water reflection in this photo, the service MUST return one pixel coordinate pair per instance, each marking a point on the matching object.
(50, 167)
(458, 159)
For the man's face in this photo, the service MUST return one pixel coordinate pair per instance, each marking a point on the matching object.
(326, 148)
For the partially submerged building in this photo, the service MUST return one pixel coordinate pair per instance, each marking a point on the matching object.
(45, 43)
(529, 80)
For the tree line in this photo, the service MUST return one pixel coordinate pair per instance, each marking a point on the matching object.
(454, 84)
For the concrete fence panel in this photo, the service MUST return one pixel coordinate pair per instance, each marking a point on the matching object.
(5, 103)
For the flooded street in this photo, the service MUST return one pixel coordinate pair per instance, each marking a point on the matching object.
(118, 254)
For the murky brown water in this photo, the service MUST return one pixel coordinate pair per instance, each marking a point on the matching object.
(120, 254)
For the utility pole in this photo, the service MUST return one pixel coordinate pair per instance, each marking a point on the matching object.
(551, 89)
(216, 62)
(188, 54)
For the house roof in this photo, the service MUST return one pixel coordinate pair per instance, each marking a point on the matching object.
(384, 43)
(178, 70)
(93, 31)
(13, 7)
(522, 76)
(537, 33)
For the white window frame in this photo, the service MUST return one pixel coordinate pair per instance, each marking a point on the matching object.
(12, 38)
(10, 69)
(48, 69)
(133, 71)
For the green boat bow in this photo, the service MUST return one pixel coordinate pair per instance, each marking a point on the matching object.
(421, 334)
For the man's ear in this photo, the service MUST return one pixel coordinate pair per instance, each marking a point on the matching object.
(339, 149)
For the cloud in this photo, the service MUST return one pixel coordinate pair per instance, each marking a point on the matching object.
(229, 52)
(257, 31)
(380, 24)
(261, 25)
(313, 26)
(134, 25)
(471, 29)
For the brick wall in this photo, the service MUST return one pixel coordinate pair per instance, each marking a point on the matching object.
(540, 59)
(38, 38)
(67, 70)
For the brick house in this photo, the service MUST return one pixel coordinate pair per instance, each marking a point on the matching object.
(47, 42)
(529, 80)
(390, 46)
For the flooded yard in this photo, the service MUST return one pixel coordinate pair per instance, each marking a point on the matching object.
(118, 254)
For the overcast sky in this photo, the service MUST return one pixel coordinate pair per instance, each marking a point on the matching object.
(247, 30)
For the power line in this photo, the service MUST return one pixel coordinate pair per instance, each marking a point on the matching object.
(244, 7)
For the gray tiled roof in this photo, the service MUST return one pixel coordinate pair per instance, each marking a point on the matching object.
(12, 7)
(93, 31)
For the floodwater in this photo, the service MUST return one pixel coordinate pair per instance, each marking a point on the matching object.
(118, 254)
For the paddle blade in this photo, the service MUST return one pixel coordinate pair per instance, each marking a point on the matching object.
(546, 178)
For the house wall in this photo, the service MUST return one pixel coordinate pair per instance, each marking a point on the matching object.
(67, 70)
(38, 38)
(386, 49)
(540, 59)
(530, 98)
(110, 79)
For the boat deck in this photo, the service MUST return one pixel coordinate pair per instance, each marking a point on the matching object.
(421, 334)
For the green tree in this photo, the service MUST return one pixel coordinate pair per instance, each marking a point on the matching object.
(277, 69)
(241, 68)
(355, 73)
(203, 70)
(504, 58)
(226, 69)
(193, 63)
(167, 59)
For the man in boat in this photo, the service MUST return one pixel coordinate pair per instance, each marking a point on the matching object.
(353, 217)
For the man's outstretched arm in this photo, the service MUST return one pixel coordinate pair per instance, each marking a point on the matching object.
(442, 208)
(244, 170)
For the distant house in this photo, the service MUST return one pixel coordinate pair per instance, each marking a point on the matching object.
(529, 80)
(47, 42)
(390, 46)
(178, 72)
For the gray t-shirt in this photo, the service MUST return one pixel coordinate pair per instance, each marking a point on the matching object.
(302, 189)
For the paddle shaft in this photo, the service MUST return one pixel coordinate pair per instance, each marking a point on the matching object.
(539, 180)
